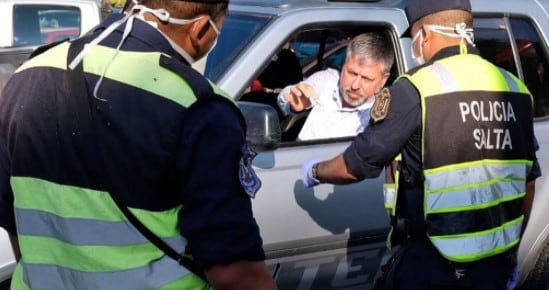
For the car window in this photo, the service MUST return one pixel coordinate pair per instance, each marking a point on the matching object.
(238, 31)
(41, 24)
(514, 44)
(319, 49)
(306, 51)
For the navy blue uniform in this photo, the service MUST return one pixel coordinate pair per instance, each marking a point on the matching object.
(377, 146)
(155, 164)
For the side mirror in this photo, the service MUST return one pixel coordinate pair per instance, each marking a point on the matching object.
(263, 127)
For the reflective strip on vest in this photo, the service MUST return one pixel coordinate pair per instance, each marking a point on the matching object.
(94, 244)
(468, 189)
(479, 245)
(390, 187)
(77, 238)
(390, 191)
(389, 196)
(476, 185)
(157, 80)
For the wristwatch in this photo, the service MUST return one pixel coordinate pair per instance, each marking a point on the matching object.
(315, 171)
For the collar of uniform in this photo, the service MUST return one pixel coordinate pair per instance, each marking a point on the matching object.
(443, 53)
(148, 36)
(453, 50)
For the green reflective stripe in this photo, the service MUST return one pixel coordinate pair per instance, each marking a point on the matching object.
(445, 77)
(515, 84)
(17, 279)
(474, 246)
(78, 231)
(44, 250)
(155, 275)
(513, 87)
(190, 282)
(453, 176)
(64, 200)
(456, 192)
(74, 202)
(221, 92)
(430, 88)
(485, 78)
(95, 64)
(389, 195)
(57, 53)
(146, 74)
(162, 223)
(476, 196)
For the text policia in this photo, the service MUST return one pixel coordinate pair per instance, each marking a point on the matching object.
(489, 111)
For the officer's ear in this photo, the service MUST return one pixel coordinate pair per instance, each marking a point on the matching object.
(198, 31)
(427, 33)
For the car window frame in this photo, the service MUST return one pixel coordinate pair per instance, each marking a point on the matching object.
(542, 52)
(351, 29)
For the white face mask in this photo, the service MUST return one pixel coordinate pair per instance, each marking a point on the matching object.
(217, 33)
(161, 14)
(459, 30)
(164, 16)
(418, 59)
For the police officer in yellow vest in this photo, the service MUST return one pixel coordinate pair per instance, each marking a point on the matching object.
(463, 129)
(121, 167)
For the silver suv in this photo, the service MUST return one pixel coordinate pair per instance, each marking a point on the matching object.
(333, 237)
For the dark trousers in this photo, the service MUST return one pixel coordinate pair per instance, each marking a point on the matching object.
(419, 266)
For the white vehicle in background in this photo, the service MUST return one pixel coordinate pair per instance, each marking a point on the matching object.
(7, 260)
(27, 24)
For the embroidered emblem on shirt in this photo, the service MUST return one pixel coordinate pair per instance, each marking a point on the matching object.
(248, 178)
(380, 108)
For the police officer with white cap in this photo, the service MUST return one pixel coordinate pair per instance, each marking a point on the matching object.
(126, 168)
(465, 184)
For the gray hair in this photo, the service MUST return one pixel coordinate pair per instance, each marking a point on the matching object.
(372, 46)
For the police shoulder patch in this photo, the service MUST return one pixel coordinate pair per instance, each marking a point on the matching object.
(248, 178)
(380, 108)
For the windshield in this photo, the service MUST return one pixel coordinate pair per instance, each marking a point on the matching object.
(42, 24)
(237, 32)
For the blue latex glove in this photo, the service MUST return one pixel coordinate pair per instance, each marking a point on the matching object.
(307, 173)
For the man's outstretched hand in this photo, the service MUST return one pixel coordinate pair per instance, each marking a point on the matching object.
(307, 173)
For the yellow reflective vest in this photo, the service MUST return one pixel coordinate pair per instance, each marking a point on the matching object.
(73, 236)
(476, 152)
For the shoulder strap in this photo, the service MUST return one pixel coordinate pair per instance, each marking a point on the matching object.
(78, 91)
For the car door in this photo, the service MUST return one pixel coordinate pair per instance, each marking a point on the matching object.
(327, 237)
(517, 43)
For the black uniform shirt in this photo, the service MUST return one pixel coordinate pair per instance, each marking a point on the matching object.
(400, 132)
